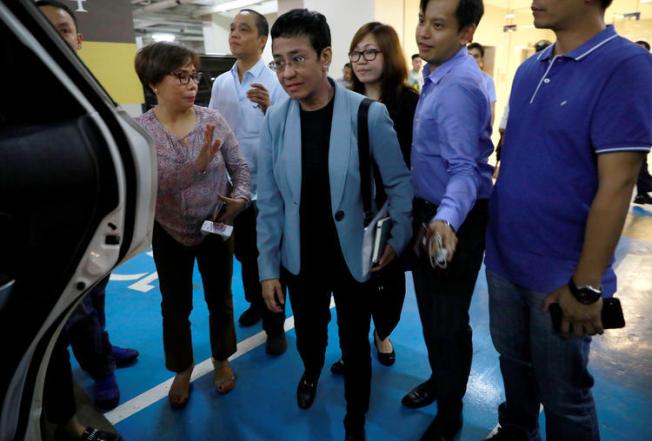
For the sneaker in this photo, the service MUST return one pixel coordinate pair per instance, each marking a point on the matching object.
(106, 392)
(124, 356)
(643, 199)
(503, 434)
(250, 317)
(276, 345)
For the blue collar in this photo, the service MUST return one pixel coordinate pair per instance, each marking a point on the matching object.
(255, 70)
(441, 71)
(603, 37)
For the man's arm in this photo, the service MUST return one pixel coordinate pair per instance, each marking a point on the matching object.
(617, 174)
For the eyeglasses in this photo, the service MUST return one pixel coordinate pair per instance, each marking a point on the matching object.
(185, 77)
(296, 62)
(367, 54)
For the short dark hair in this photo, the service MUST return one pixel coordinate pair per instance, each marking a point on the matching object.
(605, 3)
(261, 22)
(348, 65)
(302, 22)
(541, 45)
(416, 56)
(156, 60)
(477, 46)
(468, 12)
(59, 5)
(644, 43)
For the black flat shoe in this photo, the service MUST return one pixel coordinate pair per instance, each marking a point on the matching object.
(306, 391)
(385, 358)
(337, 368)
(250, 317)
(420, 396)
(276, 345)
(442, 430)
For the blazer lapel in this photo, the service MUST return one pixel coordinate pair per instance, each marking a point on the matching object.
(292, 145)
(340, 145)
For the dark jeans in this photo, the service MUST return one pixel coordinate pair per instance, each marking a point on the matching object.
(644, 183)
(246, 251)
(310, 296)
(175, 263)
(88, 337)
(58, 394)
(444, 297)
(539, 367)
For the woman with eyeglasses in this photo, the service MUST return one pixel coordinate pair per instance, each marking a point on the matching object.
(380, 73)
(196, 153)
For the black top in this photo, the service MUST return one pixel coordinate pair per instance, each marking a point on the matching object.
(319, 240)
(401, 109)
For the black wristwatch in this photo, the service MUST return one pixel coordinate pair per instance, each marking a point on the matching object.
(585, 294)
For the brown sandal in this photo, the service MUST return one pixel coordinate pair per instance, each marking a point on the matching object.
(179, 393)
(223, 376)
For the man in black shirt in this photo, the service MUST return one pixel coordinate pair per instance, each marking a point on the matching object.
(310, 219)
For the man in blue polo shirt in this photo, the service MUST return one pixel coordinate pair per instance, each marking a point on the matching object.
(580, 122)
(452, 182)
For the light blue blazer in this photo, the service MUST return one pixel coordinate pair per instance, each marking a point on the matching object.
(279, 183)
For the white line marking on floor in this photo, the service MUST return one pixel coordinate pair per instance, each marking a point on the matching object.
(125, 277)
(146, 399)
(143, 285)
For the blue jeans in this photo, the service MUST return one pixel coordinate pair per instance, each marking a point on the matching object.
(539, 367)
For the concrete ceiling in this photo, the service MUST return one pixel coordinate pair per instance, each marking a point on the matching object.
(185, 18)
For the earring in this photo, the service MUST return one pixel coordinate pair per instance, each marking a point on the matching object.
(155, 90)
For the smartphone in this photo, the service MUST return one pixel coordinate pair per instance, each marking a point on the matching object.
(612, 315)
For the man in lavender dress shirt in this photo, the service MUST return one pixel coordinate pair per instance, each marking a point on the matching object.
(452, 182)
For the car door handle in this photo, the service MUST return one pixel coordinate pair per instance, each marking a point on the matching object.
(5, 291)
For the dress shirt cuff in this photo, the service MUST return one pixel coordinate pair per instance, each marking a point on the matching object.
(448, 215)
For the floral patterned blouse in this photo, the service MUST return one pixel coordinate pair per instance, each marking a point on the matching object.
(187, 197)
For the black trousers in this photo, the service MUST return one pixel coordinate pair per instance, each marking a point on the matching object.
(644, 183)
(443, 298)
(310, 296)
(58, 394)
(175, 263)
(246, 251)
(88, 337)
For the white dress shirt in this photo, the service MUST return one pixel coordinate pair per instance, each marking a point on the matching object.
(229, 97)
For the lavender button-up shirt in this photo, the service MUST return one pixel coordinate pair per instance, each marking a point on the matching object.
(187, 197)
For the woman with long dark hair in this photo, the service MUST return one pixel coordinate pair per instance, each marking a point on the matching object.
(380, 73)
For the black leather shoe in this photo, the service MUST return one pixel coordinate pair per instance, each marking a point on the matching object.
(385, 358)
(420, 396)
(643, 199)
(90, 434)
(306, 392)
(360, 436)
(504, 434)
(250, 317)
(337, 368)
(442, 430)
(276, 345)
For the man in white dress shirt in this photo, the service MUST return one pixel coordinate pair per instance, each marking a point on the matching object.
(243, 95)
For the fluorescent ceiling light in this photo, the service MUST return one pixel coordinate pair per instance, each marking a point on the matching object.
(162, 36)
(234, 4)
(512, 15)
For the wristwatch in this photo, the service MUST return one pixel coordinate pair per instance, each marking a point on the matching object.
(585, 294)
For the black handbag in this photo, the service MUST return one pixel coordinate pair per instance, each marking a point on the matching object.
(388, 285)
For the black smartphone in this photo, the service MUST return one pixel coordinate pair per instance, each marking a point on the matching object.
(612, 315)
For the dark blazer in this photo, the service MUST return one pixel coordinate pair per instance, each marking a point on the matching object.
(401, 109)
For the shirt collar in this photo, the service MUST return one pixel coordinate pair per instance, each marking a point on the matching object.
(441, 71)
(255, 70)
(604, 36)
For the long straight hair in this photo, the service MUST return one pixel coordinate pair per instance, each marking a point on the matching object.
(394, 66)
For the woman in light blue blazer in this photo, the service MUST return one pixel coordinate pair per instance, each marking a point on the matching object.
(310, 222)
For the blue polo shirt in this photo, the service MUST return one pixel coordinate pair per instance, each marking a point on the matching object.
(452, 139)
(564, 111)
